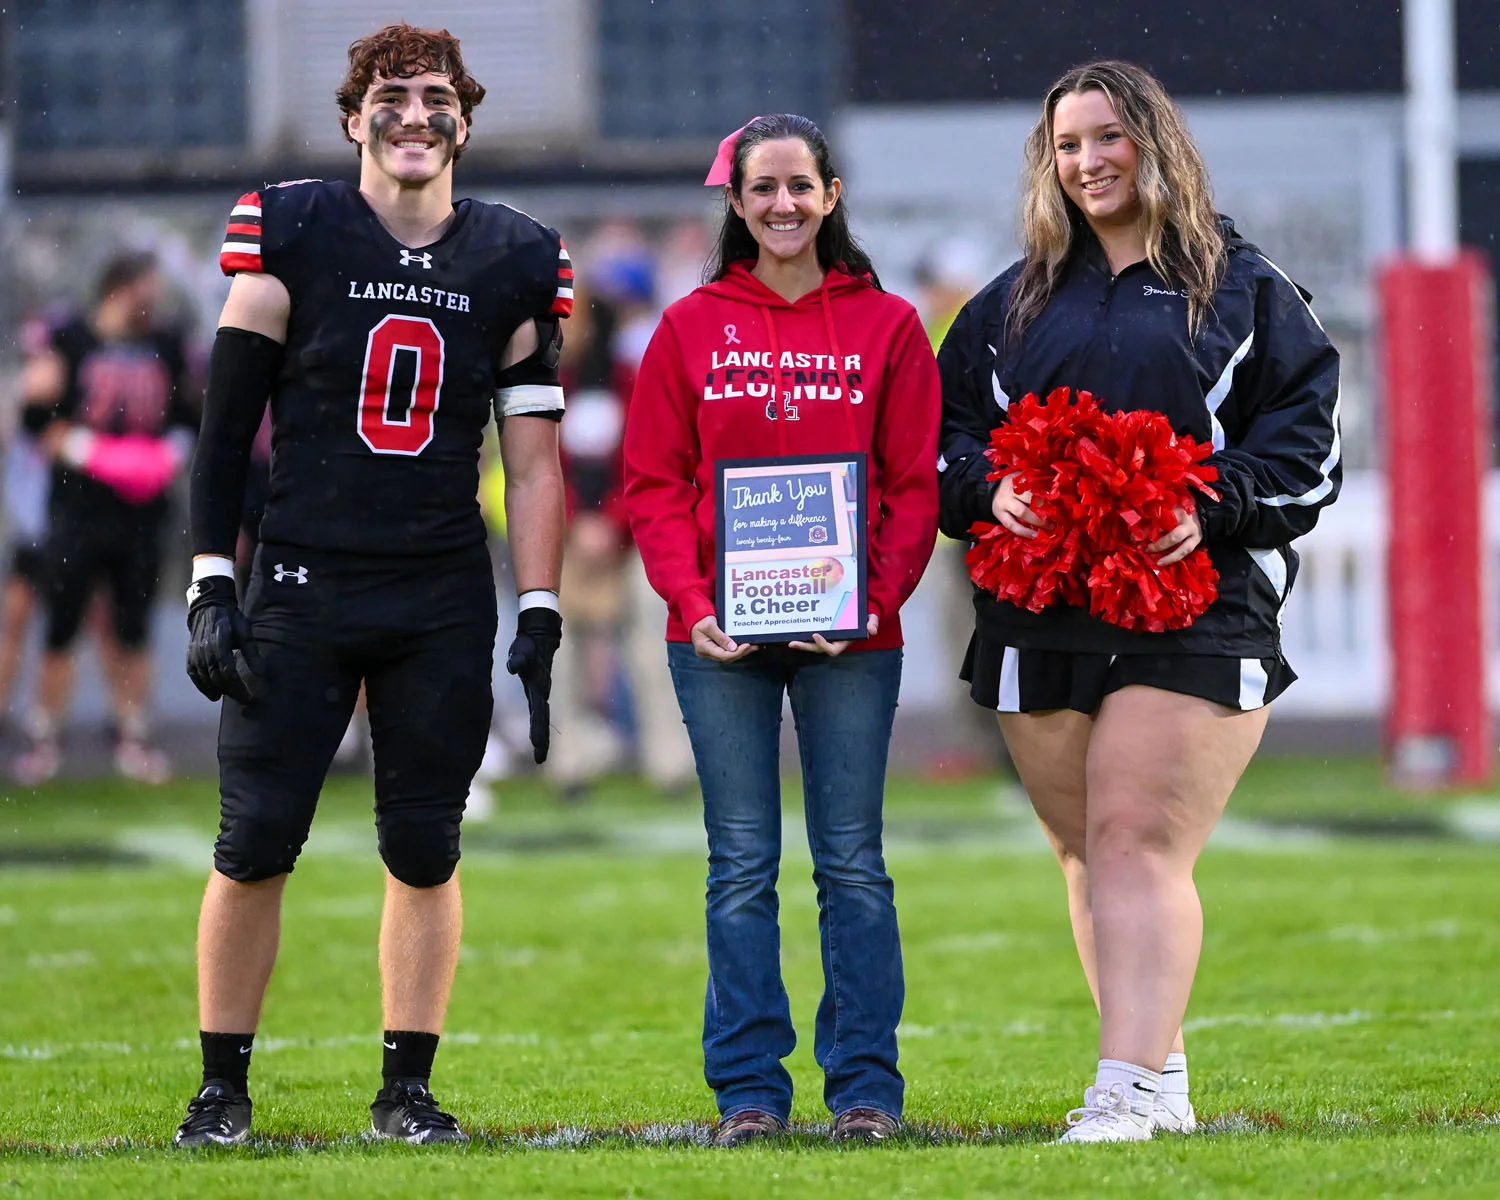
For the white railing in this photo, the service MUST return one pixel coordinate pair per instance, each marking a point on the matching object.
(1335, 630)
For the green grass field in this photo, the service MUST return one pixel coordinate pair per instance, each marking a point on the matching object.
(1342, 1037)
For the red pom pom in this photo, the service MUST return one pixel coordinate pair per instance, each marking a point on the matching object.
(1108, 485)
(1127, 588)
(1029, 572)
(1035, 445)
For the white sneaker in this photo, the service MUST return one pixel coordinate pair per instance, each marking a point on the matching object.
(144, 763)
(41, 762)
(1108, 1115)
(1174, 1114)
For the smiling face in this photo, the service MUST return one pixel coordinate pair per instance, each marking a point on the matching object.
(1096, 160)
(410, 128)
(783, 200)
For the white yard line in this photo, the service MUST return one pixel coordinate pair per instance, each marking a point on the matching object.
(1314, 1020)
(1010, 832)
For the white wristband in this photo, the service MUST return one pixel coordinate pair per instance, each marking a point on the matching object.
(212, 564)
(206, 566)
(537, 598)
(77, 445)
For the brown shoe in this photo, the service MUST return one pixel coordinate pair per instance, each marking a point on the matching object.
(864, 1125)
(747, 1126)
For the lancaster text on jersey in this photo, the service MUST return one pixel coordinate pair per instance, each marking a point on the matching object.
(408, 292)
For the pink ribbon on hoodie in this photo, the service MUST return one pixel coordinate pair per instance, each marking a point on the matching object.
(719, 174)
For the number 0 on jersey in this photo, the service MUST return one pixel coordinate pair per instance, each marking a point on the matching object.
(410, 433)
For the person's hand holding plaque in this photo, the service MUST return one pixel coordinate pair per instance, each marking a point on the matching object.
(711, 642)
(821, 645)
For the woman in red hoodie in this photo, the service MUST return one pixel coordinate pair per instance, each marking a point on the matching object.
(789, 286)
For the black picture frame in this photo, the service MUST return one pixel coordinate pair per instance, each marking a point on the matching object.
(849, 541)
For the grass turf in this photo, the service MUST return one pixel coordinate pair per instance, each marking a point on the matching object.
(1339, 1035)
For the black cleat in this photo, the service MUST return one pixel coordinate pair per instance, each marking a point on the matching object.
(407, 1110)
(216, 1116)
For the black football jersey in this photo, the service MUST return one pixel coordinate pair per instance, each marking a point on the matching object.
(392, 362)
(131, 385)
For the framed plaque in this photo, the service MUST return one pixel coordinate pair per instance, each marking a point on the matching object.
(790, 546)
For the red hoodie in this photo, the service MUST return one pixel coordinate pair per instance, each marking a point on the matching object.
(855, 373)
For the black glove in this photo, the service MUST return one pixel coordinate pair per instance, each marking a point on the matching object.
(538, 632)
(222, 658)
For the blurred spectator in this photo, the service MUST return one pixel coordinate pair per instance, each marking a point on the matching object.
(948, 274)
(663, 751)
(106, 396)
(685, 250)
(588, 743)
(606, 601)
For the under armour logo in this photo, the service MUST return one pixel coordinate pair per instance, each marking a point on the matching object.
(729, 336)
(407, 258)
(282, 574)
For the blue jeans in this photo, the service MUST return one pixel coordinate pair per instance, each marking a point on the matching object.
(843, 708)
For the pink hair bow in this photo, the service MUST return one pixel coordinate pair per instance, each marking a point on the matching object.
(723, 168)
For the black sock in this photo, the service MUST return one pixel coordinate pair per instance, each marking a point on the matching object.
(226, 1056)
(408, 1055)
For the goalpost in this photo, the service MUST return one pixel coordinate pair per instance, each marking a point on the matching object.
(1437, 323)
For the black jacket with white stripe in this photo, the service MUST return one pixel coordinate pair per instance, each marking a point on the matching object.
(1260, 380)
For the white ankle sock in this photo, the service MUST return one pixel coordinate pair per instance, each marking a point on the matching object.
(1140, 1084)
(1174, 1076)
(134, 726)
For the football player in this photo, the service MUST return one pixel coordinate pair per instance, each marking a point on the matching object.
(384, 322)
(106, 396)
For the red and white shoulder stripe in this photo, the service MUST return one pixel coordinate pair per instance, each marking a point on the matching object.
(562, 305)
(241, 249)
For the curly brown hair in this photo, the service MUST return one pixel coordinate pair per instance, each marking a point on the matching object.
(399, 52)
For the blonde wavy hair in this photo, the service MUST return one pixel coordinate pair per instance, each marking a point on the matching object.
(1184, 239)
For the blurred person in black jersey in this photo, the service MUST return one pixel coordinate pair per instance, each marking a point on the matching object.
(385, 322)
(106, 396)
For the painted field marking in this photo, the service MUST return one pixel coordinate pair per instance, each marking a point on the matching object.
(62, 960)
(1314, 1020)
(48, 1051)
(1010, 830)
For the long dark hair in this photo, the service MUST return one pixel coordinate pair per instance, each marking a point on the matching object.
(837, 246)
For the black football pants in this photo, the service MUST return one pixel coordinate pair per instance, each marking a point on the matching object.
(419, 632)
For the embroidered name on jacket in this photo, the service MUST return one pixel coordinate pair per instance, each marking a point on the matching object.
(408, 292)
(801, 376)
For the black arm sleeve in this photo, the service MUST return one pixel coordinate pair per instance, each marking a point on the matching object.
(242, 370)
(964, 491)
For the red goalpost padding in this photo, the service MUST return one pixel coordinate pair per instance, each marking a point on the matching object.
(1437, 333)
